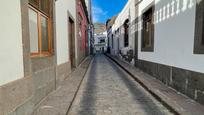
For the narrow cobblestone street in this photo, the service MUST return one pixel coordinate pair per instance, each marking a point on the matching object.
(102, 57)
(108, 90)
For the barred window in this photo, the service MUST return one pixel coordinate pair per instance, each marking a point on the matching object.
(148, 31)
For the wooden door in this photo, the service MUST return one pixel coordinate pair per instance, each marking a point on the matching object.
(71, 42)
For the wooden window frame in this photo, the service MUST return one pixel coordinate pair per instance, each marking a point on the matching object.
(38, 7)
(33, 4)
(41, 53)
(144, 18)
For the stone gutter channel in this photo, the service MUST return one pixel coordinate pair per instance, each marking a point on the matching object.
(177, 103)
(60, 101)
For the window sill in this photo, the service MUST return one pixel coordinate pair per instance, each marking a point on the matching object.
(148, 49)
(41, 55)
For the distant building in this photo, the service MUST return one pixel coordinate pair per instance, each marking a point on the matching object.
(100, 38)
(100, 42)
(99, 28)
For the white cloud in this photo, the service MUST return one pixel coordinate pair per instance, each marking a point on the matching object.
(98, 13)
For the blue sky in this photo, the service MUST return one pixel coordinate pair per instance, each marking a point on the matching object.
(104, 9)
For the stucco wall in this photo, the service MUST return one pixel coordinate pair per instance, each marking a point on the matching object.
(81, 39)
(62, 9)
(174, 36)
(11, 57)
(128, 12)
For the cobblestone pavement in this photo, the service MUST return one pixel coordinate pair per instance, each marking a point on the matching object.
(108, 90)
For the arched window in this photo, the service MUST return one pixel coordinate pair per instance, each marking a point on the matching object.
(126, 33)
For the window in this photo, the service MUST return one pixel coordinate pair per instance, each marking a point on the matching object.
(112, 42)
(148, 31)
(41, 5)
(126, 33)
(80, 28)
(39, 27)
(199, 29)
(80, 19)
(102, 41)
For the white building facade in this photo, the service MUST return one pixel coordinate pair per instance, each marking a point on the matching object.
(100, 42)
(123, 33)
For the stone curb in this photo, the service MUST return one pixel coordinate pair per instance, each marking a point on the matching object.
(78, 86)
(174, 107)
(59, 101)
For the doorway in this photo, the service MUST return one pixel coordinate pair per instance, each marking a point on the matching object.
(71, 42)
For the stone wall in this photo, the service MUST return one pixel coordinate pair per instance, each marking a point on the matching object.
(62, 71)
(199, 34)
(15, 94)
(187, 82)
